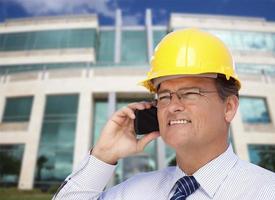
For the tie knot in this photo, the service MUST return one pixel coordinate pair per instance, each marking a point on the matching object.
(185, 187)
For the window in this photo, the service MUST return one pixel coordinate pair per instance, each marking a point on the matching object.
(56, 148)
(33, 67)
(170, 156)
(131, 165)
(255, 69)
(10, 163)
(2, 39)
(262, 155)
(247, 40)
(81, 38)
(254, 110)
(15, 41)
(100, 117)
(255, 114)
(50, 39)
(134, 47)
(158, 35)
(17, 109)
(106, 47)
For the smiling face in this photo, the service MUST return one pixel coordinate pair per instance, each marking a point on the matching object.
(194, 122)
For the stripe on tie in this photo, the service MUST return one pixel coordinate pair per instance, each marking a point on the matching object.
(185, 186)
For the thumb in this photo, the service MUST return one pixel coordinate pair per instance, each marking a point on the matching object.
(146, 139)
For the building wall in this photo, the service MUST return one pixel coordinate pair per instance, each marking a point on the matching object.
(103, 76)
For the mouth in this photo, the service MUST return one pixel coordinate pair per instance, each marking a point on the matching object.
(178, 121)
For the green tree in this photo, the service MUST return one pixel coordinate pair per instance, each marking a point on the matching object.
(267, 160)
(40, 163)
(9, 165)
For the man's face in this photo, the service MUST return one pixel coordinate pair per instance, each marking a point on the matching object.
(192, 122)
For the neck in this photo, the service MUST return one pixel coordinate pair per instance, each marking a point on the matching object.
(191, 160)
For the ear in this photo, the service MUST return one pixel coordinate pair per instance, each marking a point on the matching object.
(231, 106)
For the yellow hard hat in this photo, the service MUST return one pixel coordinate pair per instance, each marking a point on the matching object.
(190, 52)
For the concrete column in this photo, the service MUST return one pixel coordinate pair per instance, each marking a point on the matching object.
(118, 26)
(28, 166)
(83, 127)
(111, 103)
(239, 136)
(111, 110)
(149, 32)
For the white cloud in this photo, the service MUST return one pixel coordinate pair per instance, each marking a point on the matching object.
(161, 16)
(134, 19)
(44, 7)
(162, 11)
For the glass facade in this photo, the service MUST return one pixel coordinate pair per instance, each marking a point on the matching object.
(134, 47)
(10, 164)
(262, 155)
(131, 165)
(247, 40)
(255, 69)
(50, 39)
(56, 148)
(106, 47)
(100, 116)
(17, 109)
(37, 67)
(157, 36)
(254, 110)
(170, 156)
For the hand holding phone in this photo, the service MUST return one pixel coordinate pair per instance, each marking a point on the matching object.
(117, 139)
(146, 121)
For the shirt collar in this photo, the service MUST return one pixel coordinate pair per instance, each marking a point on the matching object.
(211, 175)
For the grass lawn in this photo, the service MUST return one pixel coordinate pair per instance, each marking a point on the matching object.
(15, 194)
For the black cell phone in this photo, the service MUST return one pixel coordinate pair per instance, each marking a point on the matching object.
(146, 121)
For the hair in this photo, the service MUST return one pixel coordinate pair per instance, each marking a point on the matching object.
(226, 87)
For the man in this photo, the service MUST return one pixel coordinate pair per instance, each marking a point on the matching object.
(192, 73)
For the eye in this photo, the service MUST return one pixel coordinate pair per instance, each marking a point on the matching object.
(163, 97)
(189, 94)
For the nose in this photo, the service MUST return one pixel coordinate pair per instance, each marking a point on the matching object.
(175, 104)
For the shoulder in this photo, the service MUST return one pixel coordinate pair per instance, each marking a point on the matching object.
(256, 170)
(250, 181)
(255, 174)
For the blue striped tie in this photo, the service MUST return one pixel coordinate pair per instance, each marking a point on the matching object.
(185, 186)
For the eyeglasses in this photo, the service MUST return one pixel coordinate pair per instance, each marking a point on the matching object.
(186, 95)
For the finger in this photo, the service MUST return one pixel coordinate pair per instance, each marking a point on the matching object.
(123, 113)
(146, 139)
(129, 112)
(131, 126)
(124, 123)
(139, 105)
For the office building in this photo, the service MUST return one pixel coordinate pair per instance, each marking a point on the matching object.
(61, 78)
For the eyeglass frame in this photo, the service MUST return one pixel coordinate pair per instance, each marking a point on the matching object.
(187, 91)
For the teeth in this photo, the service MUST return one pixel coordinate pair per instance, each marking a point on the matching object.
(182, 121)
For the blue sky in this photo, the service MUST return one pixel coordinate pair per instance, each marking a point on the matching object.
(133, 10)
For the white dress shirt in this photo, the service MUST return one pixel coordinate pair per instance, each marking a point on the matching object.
(226, 177)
